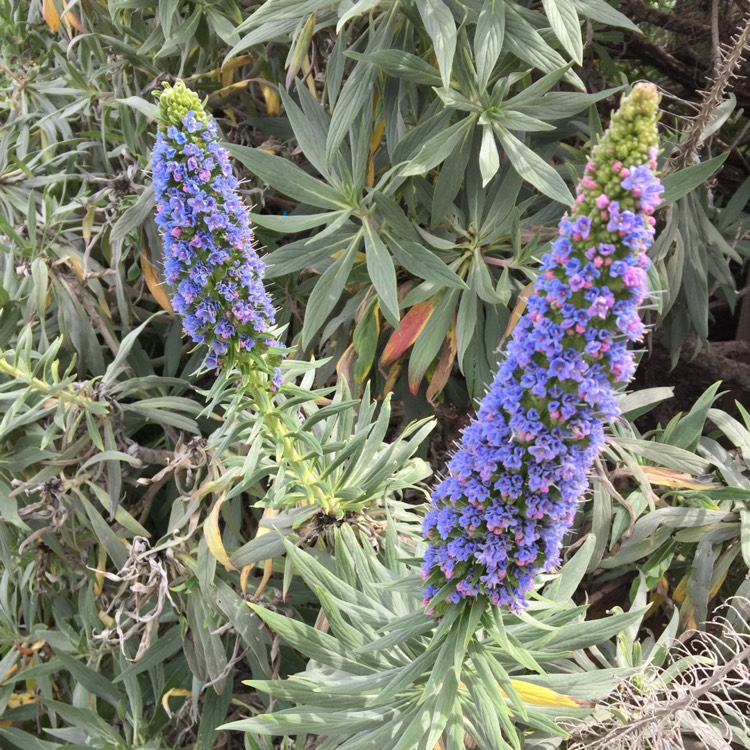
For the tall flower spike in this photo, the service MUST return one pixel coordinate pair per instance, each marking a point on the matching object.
(209, 254)
(499, 518)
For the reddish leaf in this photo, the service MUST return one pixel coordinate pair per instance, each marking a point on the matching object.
(411, 325)
(444, 365)
(50, 14)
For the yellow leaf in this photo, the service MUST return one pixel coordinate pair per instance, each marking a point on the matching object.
(88, 222)
(517, 313)
(226, 72)
(309, 79)
(271, 98)
(105, 619)
(409, 329)
(345, 364)
(212, 534)
(719, 582)
(268, 564)
(536, 695)
(267, 513)
(377, 135)
(244, 575)
(667, 478)
(239, 85)
(101, 564)
(267, 571)
(50, 14)
(21, 699)
(153, 282)
(393, 372)
(9, 674)
(74, 263)
(173, 693)
(678, 595)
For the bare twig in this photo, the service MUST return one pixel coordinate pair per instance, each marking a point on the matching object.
(725, 70)
(702, 695)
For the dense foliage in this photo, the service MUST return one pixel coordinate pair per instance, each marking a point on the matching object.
(184, 548)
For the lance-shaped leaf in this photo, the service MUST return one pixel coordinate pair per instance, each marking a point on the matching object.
(411, 325)
(533, 168)
(441, 27)
(488, 39)
(287, 178)
(382, 273)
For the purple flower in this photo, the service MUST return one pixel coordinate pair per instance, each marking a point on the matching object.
(209, 247)
(500, 516)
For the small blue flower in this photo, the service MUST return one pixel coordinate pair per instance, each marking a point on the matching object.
(500, 516)
(209, 246)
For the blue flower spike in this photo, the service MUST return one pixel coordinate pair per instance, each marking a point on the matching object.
(522, 466)
(210, 257)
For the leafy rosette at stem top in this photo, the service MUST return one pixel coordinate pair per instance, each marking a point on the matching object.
(209, 247)
(500, 516)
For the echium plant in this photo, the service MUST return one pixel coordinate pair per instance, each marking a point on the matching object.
(500, 516)
(209, 247)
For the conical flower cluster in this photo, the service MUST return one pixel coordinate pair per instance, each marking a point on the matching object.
(500, 516)
(209, 248)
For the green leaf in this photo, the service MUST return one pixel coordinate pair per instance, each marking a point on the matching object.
(531, 94)
(141, 105)
(311, 132)
(304, 253)
(590, 633)
(637, 403)
(602, 11)
(664, 455)
(324, 721)
(450, 180)
(135, 216)
(563, 19)
(437, 149)
(488, 39)
(401, 64)
(679, 184)
(514, 120)
(357, 93)
(158, 653)
(526, 43)
(571, 574)
(691, 425)
(92, 681)
(560, 105)
(287, 178)
(423, 263)
(489, 158)
(533, 168)
(296, 222)
(25, 741)
(466, 322)
(327, 291)
(365, 342)
(312, 643)
(441, 28)
(745, 535)
(382, 273)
